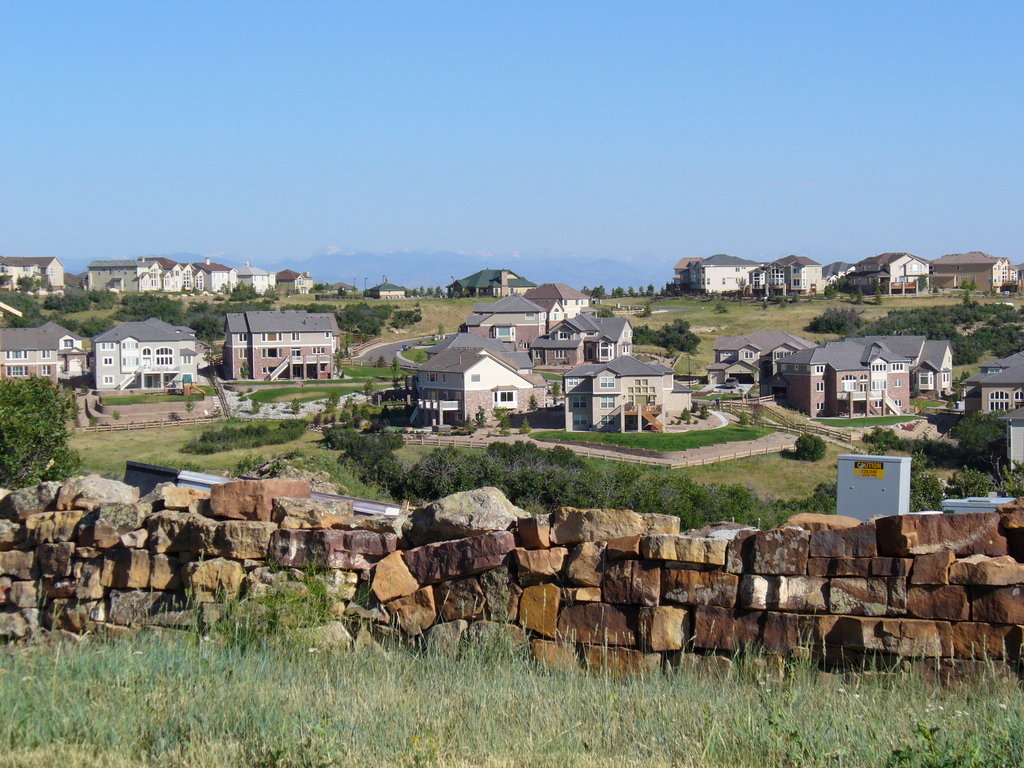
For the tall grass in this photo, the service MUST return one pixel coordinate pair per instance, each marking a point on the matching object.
(158, 700)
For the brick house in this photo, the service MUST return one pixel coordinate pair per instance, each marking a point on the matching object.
(623, 395)
(50, 351)
(788, 275)
(931, 361)
(149, 355)
(988, 273)
(583, 339)
(753, 358)
(560, 301)
(490, 282)
(469, 374)
(266, 346)
(513, 320)
(845, 378)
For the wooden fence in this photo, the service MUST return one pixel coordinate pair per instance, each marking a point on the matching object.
(126, 427)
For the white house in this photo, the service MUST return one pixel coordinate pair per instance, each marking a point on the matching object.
(261, 280)
(150, 354)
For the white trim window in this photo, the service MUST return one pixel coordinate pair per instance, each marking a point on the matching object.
(577, 402)
(505, 398)
(607, 402)
(571, 382)
(606, 382)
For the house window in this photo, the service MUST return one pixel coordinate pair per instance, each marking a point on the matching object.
(272, 337)
(165, 356)
(898, 367)
(606, 382)
(319, 350)
(999, 400)
(297, 354)
(474, 377)
(897, 383)
(878, 366)
(431, 377)
(571, 382)
(108, 361)
(580, 421)
(748, 355)
(578, 401)
(106, 346)
(819, 386)
(849, 384)
(563, 335)
(47, 354)
(607, 402)
(505, 397)
(129, 362)
(878, 386)
(17, 370)
(295, 337)
(16, 354)
(271, 352)
(67, 343)
(108, 379)
(819, 369)
(45, 370)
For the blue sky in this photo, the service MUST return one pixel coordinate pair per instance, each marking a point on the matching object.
(639, 132)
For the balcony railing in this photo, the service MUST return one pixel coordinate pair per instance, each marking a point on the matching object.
(439, 405)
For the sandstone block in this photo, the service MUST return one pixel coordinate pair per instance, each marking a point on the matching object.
(848, 542)
(50, 527)
(179, 497)
(103, 526)
(460, 599)
(253, 499)
(914, 638)
(214, 580)
(859, 597)
(23, 594)
(164, 573)
(975, 640)
(17, 625)
(237, 539)
(723, 629)
(459, 515)
(131, 569)
(891, 566)
(598, 623)
(354, 550)
(12, 534)
(19, 504)
(986, 571)
(972, 533)
(93, 491)
(505, 637)
(572, 526)
(758, 593)
(804, 594)
(534, 532)
(445, 638)
(781, 552)
(664, 628)
(288, 512)
(586, 563)
(582, 595)
(134, 539)
(932, 568)
(416, 612)
(538, 565)
(391, 578)
(538, 609)
(173, 532)
(998, 605)
(432, 563)
(554, 655)
(90, 583)
(813, 522)
(686, 549)
(827, 567)
(739, 552)
(655, 524)
(128, 608)
(55, 559)
(700, 587)
(621, 662)
(17, 564)
(501, 595)
(632, 582)
(623, 548)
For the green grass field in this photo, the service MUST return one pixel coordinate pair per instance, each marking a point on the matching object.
(305, 394)
(158, 700)
(870, 421)
(416, 355)
(141, 399)
(669, 441)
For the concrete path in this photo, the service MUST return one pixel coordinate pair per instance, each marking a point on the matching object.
(389, 349)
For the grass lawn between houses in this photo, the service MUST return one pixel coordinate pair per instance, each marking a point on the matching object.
(305, 394)
(152, 398)
(652, 441)
(870, 421)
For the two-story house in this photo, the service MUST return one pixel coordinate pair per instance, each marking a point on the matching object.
(998, 385)
(170, 272)
(788, 275)
(123, 276)
(266, 346)
(48, 270)
(585, 338)
(722, 273)
(559, 301)
(845, 378)
(211, 277)
(984, 272)
(470, 375)
(685, 275)
(514, 320)
(902, 273)
(836, 271)
(150, 354)
(753, 358)
(261, 280)
(290, 281)
(50, 351)
(490, 282)
(931, 361)
(623, 395)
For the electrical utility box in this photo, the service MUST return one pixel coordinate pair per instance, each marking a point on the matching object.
(873, 486)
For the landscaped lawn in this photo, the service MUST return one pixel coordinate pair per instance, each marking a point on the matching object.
(305, 394)
(364, 372)
(415, 355)
(924, 402)
(154, 398)
(871, 421)
(652, 441)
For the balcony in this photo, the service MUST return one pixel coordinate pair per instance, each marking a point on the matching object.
(438, 405)
(853, 396)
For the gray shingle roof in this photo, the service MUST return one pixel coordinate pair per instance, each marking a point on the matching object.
(725, 260)
(554, 291)
(507, 304)
(471, 341)
(461, 359)
(620, 366)
(844, 355)
(290, 321)
(762, 341)
(971, 257)
(46, 336)
(115, 264)
(153, 329)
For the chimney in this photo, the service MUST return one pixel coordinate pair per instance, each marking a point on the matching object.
(207, 259)
(248, 264)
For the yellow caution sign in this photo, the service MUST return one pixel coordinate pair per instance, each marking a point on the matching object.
(869, 469)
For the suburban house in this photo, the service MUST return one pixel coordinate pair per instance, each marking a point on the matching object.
(931, 361)
(845, 378)
(790, 274)
(582, 339)
(722, 273)
(211, 277)
(832, 273)
(458, 382)
(150, 354)
(522, 360)
(491, 282)
(514, 320)
(169, 272)
(1014, 435)
(559, 300)
(623, 395)
(685, 278)
(753, 358)
(261, 280)
(47, 269)
(265, 345)
(124, 276)
(986, 273)
(895, 272)
(50, 351)
(998, 385)
(385, 290)
(290, 281)
(342, 287)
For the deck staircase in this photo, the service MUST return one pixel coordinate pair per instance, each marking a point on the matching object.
(280, 368)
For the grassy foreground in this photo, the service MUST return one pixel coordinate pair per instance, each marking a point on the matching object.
(154, 700)
(666, 441)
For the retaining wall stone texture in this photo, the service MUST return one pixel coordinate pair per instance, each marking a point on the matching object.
(612, 589)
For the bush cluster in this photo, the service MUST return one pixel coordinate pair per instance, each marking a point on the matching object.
(253, 434)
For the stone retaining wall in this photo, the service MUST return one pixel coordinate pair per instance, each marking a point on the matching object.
(610, 588)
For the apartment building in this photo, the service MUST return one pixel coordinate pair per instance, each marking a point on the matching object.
(585, 338)
(722, 273)
(471, 375)
(513, 320)
(622, 395)
(754, 358)
(902, 273)
(266, 346)
(46, 269)
(845, 378)
(559, 301)
(788, 275)
(50, 351)
(984, 272)
(147, 355)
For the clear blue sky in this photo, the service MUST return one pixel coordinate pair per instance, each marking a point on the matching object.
(624, 130)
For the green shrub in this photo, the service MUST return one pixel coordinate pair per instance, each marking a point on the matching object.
(255, 434)
(809, 448)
